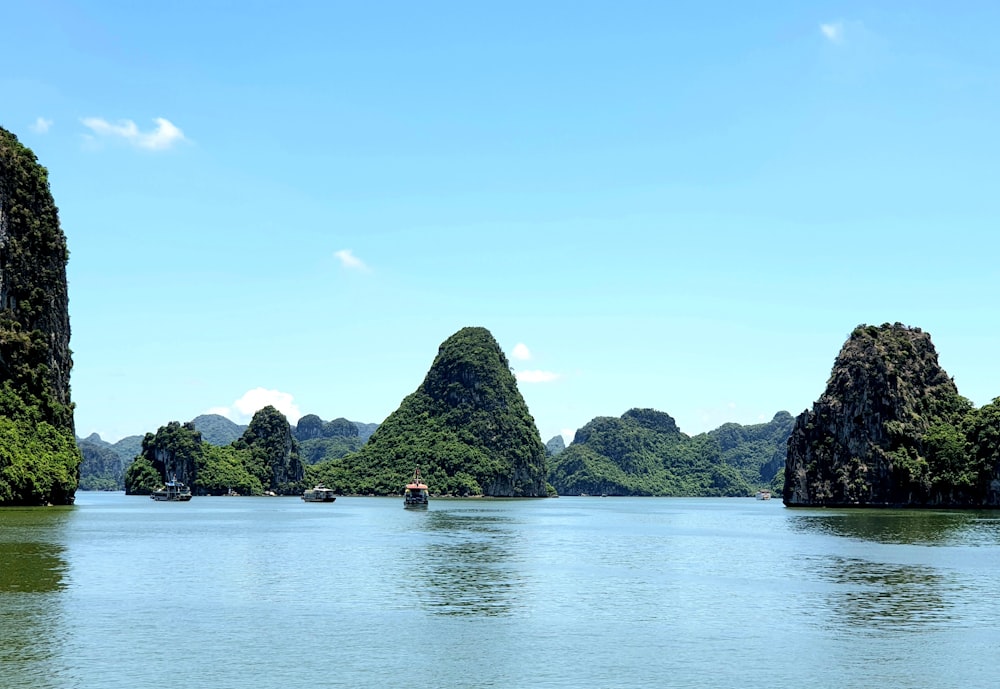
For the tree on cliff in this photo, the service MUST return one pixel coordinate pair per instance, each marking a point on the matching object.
(466, 427)
(39, 459)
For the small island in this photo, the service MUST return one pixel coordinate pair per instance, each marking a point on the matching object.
(892, 430)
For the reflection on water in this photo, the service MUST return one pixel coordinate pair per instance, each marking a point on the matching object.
(914, 527)
(879, 596)
(31, 549)
(469, 563)
(32, 573)
(893, 571)
(31, 567)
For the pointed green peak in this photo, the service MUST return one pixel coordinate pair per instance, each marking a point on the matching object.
(466, 427)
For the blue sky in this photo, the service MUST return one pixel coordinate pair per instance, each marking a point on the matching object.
(684, 206)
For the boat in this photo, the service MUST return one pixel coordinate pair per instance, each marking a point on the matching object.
(415, 494)
(173, 491)
(763, 495)
(319, 494)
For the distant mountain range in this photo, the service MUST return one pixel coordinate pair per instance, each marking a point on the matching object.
(641, 453)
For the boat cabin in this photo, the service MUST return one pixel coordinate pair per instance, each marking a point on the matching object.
(416, 494)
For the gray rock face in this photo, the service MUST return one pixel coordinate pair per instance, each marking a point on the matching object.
(34, 301)
(863, 441)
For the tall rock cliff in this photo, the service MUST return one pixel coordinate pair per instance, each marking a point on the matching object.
(274, 453)
(37, 465)
(466, 427)
(872, 437)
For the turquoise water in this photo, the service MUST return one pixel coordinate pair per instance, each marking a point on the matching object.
(123, 591)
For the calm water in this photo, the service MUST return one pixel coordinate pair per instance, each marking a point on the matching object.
(575, 592)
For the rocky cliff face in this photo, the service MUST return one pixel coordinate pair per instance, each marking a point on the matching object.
(865, 440)
(174, 452)
(34, 301)
(34, 330)
(274, 452)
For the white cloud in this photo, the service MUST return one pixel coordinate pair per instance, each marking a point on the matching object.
(536, 376)
(521, 352)
(41, 125)
(254, 400)
(163, 137)
(834, 31)
(568, 434)
(349, 260)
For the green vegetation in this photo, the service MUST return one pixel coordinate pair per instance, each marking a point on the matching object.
(263, 459)
(102, 467)
(39, 460)
(757, 451)
(172, 454)
(321, 442)
(273, 453)
(644, 453)
(466, 427)
(223, 469)
(892, 429)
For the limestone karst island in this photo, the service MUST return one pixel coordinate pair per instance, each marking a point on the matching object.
(39, 459)
(891, 428)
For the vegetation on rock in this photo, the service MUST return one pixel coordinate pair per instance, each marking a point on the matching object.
(172, 454)
(264, 459)
(102, 468)
(273, 452)
(466, 427)
(644, 453)
(892, 429)
(39, 459)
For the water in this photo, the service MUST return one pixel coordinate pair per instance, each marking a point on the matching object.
(576, 592)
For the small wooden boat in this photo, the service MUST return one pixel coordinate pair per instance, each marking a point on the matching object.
(415, 494)
(319, 494)
(173, 491)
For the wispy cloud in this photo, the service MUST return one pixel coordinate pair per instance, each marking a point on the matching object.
(833, 31)
(41, 125)
(165, 135)
(254, 400)
(521, 352)
(536, 376)
(349, 260)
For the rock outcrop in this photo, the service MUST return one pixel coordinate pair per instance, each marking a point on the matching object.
(869, 439)
(274, 453)
(555, 445)
(173, 453)
(39, 460)
(466, 427)
(644, 453)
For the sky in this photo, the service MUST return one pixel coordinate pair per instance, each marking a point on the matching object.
(686, 206)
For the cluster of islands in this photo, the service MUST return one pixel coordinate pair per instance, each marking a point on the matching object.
(891, 428)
